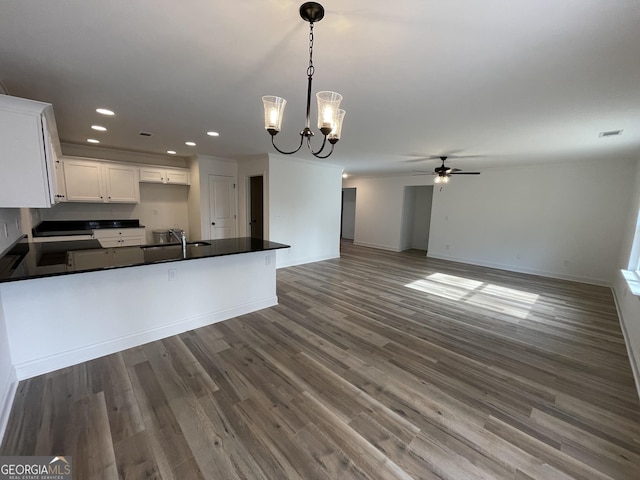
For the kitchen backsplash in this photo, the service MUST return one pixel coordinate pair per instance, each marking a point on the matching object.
(161, 206)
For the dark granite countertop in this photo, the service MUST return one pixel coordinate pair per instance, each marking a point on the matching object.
(27, 260)
(52, 228)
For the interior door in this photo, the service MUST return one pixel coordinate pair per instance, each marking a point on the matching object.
(222, 206)
(256, 222)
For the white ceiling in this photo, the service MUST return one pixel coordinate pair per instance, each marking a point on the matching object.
(516, 82)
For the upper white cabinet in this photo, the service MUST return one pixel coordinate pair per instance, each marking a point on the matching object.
(93, 181)
(177, 176)
(28, 149)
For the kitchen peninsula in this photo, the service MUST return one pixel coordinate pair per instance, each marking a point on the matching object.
(59, 315)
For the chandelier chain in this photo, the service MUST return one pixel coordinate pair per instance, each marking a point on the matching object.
(311, 69)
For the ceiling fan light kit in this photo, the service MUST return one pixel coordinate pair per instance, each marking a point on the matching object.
(330, 116)
(443, 173)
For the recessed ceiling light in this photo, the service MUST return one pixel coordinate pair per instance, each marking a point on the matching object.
(171, 152)
(105, 111)
(344, 175)
(191, 144)
(92, 140)
(213, 134)
(99, 128)
(611, 133)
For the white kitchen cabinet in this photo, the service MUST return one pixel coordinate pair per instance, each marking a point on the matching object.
(100, 182)
(176, 176)
(120, 237)
(103, 258)
(88, 259)
(28, 148)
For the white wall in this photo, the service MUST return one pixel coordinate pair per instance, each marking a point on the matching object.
(558, 220)
(379, 206)
(304, 209)
(348, 213)
(8, 381)
(629, 304)
(561, 220)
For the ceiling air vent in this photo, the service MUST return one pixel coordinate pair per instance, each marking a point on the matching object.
(611, 133)
(145, 134)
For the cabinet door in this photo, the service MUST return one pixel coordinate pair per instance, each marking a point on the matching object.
(152, 175)
(88, 259)
(180, 177)
(23, 182)
(122, 184)
(82, 180)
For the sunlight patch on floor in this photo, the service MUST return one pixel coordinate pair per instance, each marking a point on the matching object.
(507, 301)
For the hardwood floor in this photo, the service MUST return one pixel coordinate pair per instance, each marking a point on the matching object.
(374, 366)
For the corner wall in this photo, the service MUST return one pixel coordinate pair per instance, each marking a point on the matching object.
(304, 209)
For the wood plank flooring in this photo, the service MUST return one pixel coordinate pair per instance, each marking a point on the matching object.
(375, 366)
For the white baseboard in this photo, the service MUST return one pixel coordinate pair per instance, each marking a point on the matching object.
(72, 357)
(284, 263)
(380, 247)
(6, 400)
(635, 365)
(530, 271)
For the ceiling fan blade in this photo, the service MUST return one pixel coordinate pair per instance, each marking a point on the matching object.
(465, 173)
(418, 172)
(421, 159)
(453, 170)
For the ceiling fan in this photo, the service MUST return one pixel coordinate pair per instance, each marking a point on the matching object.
(443, 173)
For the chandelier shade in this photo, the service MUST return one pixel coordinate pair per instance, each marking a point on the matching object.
(330, 116)
(273, 112)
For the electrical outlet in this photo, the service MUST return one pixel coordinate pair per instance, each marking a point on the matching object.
(155, 212)
(446, 246)
(267, 260)
(172, 274)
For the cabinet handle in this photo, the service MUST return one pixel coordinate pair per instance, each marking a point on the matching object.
(213, 223)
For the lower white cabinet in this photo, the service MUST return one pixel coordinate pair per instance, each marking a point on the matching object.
(103, 258)
(164, 175)
(98, 182)
(120, 237)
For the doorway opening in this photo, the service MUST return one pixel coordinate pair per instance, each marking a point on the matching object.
(416, 218)
(256, 207)
(348, 216)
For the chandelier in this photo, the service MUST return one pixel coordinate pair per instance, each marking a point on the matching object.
(330, 116)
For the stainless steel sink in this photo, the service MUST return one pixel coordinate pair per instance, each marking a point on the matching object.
(170, 245)
(197, 244)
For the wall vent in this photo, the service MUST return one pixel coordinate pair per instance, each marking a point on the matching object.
(611, 133)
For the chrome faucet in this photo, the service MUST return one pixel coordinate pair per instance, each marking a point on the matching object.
(182, 238)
